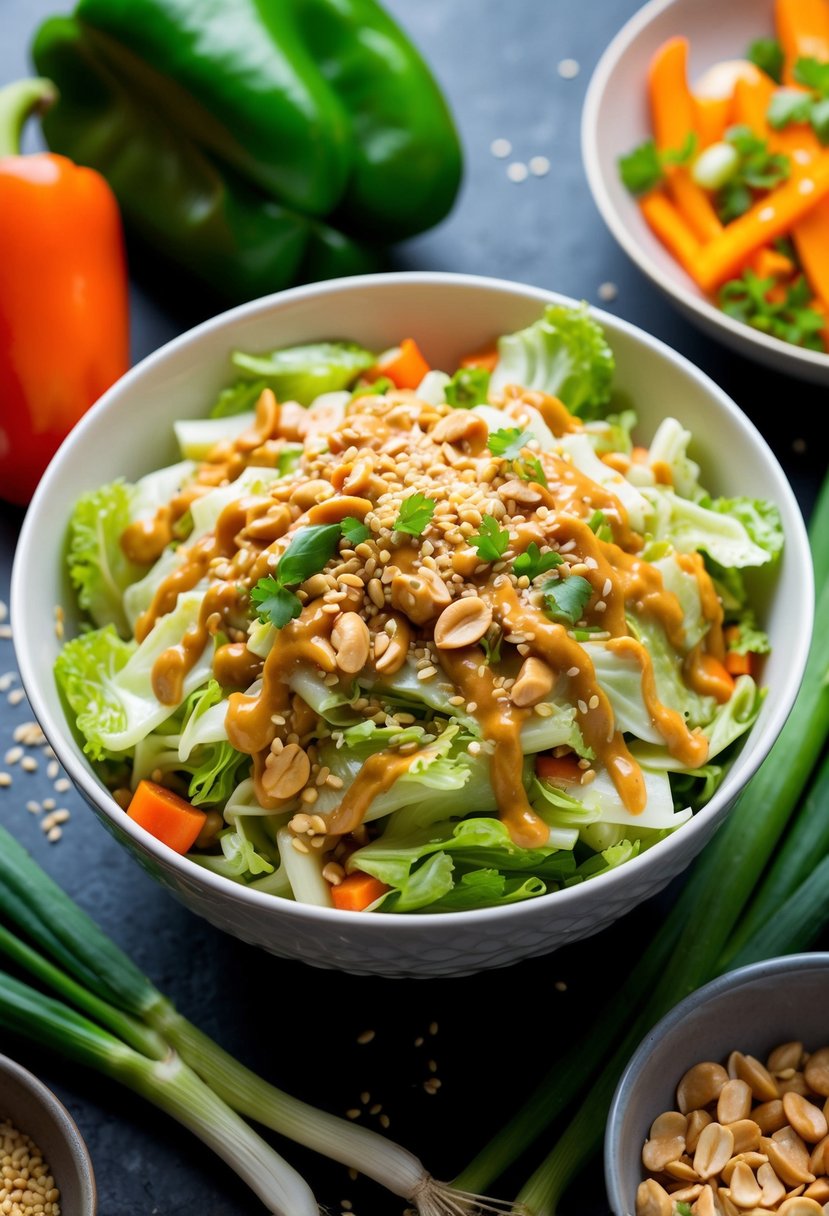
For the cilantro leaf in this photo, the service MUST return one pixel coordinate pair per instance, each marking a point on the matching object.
(468, 387)
(813, 73)
(819, 119)
(791, 318)
(533, 562)
(528, 468)
(565, 598)
(508, 442)
(767, 55)
(415, 514)
(276, 605)
(758, 169)
(788, 105)
(643, 169)
(491, 542)
(308, 553)
(354, 531)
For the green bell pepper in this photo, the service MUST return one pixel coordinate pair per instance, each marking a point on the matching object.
(255, 143)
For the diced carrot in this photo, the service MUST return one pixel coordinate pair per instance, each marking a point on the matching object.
(738, 664)
(558, 768)
(171, 819)
(803, 30)
(405, 366)
(486, 358)
(667, 223)
(356, 892)
(770, 264)
(713, 679)
(769, 218)
(712, 116)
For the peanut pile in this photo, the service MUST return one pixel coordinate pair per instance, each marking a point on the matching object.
(27, 1187)
(746, 1139)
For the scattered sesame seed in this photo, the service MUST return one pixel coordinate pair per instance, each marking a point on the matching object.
(4, 610)
(353, 1174)
(366, 1037)
(34, 808)
(15, 696)
(49, 804)
(433, 1028)
(500, 148)
(539, 166)
(385, 1121)
(766, 213)
(376, 1108)
(346, 1205)
(13, 755)
(806, 186)
(54, 834)
(568, 69)
(573, 671)
(517, 172)
(365, 1098)
(52, 769)
(607, 292)
(419, 1041)
(5, 632)
(560, 986)
(5, 779)
(432, 1066)
(7, 680)
(29, 764)
(799, 446)
(63, 784)
(354, 1113)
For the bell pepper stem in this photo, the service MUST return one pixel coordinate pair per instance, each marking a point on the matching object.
(17, 102)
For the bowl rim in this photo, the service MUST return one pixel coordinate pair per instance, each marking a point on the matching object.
(741, 977)
(63, 1122)
(703, 309)
(58, 731)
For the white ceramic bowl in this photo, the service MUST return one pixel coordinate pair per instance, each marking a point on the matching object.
(751, 1010)
(129, 433)
(615, 119)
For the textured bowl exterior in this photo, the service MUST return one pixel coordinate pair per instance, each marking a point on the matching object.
(615, 119)
(35, 1111)
(749, 1010)
(450, 314)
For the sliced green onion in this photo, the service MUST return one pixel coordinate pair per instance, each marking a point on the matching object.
(715, 166)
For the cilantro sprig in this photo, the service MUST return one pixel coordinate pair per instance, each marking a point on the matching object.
(415, 514)
(533, 562)
(354, 531)
(643, 169)
(308, 553)
(566, 598)
(491, 542)
(468, 387)
(757, 170)
(767, 55)
(794, 106)
(790, 318)
(508, 444)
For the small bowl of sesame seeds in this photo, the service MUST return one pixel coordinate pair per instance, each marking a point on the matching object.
(724, 1105)
(45, 1169)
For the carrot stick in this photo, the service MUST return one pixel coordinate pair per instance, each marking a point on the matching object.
(803, 30)
(172, 820)
(405, 366)
(674, 233)
(486, 358)
(712, 115)
(811, 238)
(771, 217)
(752, 98)
(673, 115)
(738, 664)
(356, 892)
(770, 264)
(558, 768)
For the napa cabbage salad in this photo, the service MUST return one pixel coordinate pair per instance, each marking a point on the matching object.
(392, 639)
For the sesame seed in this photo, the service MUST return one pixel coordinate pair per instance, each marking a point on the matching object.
(539, 166)
(5, 632)
(806, 186)
(573, 671)
(385, 1121)
(13, 755)
(593, 703)
(63, 784)
(500, 148)
(15, 696)
(34, 808)
(799, 446)
(607, 588)
(560, 986)
(765, 214)
(607, 292)
(354, 1113)
(582, 707)
(5, 779)
(517, 172)
(433, 1028)
(568, 69)
(29, 764)
(376, 1108)
(54, 834)
(4, 610)
(366, 1037)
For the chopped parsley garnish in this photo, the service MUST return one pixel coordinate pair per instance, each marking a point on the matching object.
(791, 318)
(767, 55)
(491, 542)
(643, 169)
(533, 562)
(528, 468)
(354, 531)
(508, 443)
(415, 514)
(307, 554)
(468, 387)
(566, 598)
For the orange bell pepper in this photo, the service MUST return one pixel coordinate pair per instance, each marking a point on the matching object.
(64, 336)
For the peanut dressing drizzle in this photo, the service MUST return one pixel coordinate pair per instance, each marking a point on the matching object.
(252, 532)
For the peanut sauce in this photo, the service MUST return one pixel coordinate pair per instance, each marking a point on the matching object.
(378, 774)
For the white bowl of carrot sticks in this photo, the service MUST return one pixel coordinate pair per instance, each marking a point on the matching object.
(705, 138)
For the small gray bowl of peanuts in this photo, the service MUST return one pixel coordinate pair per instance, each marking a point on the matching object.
(45, 1168)
(723, 1109)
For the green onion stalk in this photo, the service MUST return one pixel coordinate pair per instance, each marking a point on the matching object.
(91, 973)
(168, 1083)
(681, 958)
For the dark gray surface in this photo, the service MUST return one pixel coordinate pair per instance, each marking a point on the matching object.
(498, 65)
